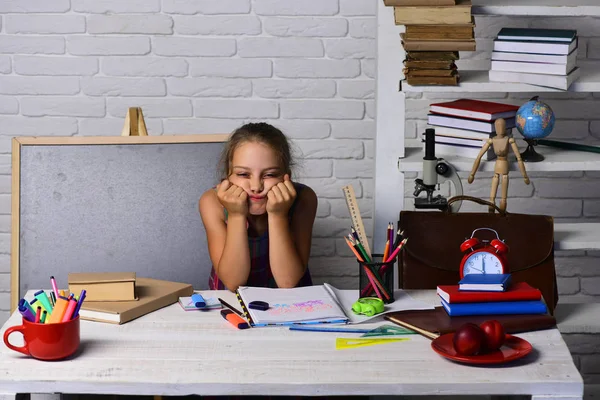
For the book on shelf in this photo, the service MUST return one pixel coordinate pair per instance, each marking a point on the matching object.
(401, 3)
(495, 308)
(428, 32)
(475, 109)
(432, 323)
(429, 72)
(560, 48)
(429, 64)
(477, 143)
(515, 292)
(153, 294)
(533, 68)
(432, 55)
(562, 82)
(460, 13)
(485, 282)
(438, 36)
(538, 35)
(433, 80)
(441, 45)
(536, 58)
(457, 150)
(461, 133)
(465, 123)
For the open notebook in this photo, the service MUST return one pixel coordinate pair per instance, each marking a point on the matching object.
(301, 305)
(320, 304)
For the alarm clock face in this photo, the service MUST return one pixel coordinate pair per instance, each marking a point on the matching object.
(483, 262)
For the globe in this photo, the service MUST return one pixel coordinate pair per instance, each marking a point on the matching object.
(534, 120)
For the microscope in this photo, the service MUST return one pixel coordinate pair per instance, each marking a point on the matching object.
(435, 171)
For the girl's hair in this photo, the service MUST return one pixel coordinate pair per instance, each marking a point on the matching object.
(259, 132)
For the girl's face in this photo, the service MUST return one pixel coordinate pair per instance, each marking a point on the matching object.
(256, 169)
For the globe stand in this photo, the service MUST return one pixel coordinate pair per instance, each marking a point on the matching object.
(530, 155)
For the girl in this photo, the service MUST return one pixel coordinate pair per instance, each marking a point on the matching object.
(258, 222)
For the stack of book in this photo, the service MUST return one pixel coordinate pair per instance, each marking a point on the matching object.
(543, 57)
(462, 126)
(436, 30)
(517, 298)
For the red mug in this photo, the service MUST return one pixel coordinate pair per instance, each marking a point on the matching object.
(46, 341)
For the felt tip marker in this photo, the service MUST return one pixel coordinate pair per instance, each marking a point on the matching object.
(79, 303)
(198, 300)
(26, 311)
(234, 319)
(43, 299)
(54, 287)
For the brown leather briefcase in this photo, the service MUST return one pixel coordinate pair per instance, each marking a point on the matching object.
(432, 255)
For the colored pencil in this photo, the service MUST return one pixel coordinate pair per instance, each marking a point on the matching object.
(386, 251)
(358, 257)
(316, 329)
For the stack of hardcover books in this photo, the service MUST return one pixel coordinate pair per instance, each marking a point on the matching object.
(462, 126)
(543, 57)
(516, 298)
(436, 30)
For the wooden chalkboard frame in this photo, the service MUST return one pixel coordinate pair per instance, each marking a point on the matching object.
(19, 142)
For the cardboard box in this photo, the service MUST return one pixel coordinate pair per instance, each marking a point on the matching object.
(104, 286)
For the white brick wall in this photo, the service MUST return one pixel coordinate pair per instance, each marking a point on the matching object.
(73, 67)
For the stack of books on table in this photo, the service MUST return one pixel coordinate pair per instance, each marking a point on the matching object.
(436, 30)
(543, 57)
(462, 126)
(515, 298)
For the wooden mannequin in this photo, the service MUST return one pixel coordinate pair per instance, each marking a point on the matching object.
(501, 144)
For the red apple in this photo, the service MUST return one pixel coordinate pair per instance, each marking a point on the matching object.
(494, 334)
(468, 339)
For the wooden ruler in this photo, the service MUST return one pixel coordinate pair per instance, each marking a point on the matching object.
(355, 216)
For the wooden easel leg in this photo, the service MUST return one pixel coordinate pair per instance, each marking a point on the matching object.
(134, 123)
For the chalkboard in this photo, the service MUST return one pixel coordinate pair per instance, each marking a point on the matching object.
(83, 204)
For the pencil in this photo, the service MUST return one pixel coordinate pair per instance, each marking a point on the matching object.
(386, 252)
(362, 251)
(397, 250)
(232, 308)
(371, 279)
(358, 257)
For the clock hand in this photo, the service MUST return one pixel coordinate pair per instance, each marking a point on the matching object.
(483, 264)
(476, 269)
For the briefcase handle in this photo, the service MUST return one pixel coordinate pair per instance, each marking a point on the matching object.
(475, 200)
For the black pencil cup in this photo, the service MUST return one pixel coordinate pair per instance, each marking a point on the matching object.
(381, 274)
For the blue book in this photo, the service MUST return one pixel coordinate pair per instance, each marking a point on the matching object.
(485, 282)
(495, 308)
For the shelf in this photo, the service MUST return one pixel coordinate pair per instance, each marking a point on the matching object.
(478, 81)
(556, 160)
(577, 236)
(549, 8)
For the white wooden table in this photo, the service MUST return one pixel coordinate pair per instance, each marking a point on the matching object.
(173, 352)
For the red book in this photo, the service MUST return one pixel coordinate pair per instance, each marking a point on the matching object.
(475, 109)
(517, 291)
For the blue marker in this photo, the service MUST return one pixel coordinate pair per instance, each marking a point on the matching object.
(78, 306)
(198, 300)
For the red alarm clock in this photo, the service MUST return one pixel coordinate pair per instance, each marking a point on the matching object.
(483, 256)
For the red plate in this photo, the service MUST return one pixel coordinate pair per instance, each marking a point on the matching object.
(513, 348)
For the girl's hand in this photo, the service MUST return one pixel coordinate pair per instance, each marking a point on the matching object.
(281, 197)
(233, 198)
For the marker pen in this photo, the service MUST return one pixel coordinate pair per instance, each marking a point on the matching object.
(69, 311)
(234, 319)
(43, 299)
(198, 300)
(43, 319)
(35, 304)
(26, 311)
(59, 310)
(54, 287)
(79, 302)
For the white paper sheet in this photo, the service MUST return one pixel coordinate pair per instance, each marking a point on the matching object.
(403, 302)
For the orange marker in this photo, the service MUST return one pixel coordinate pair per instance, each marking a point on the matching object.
(234, 319)
(59, 310)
